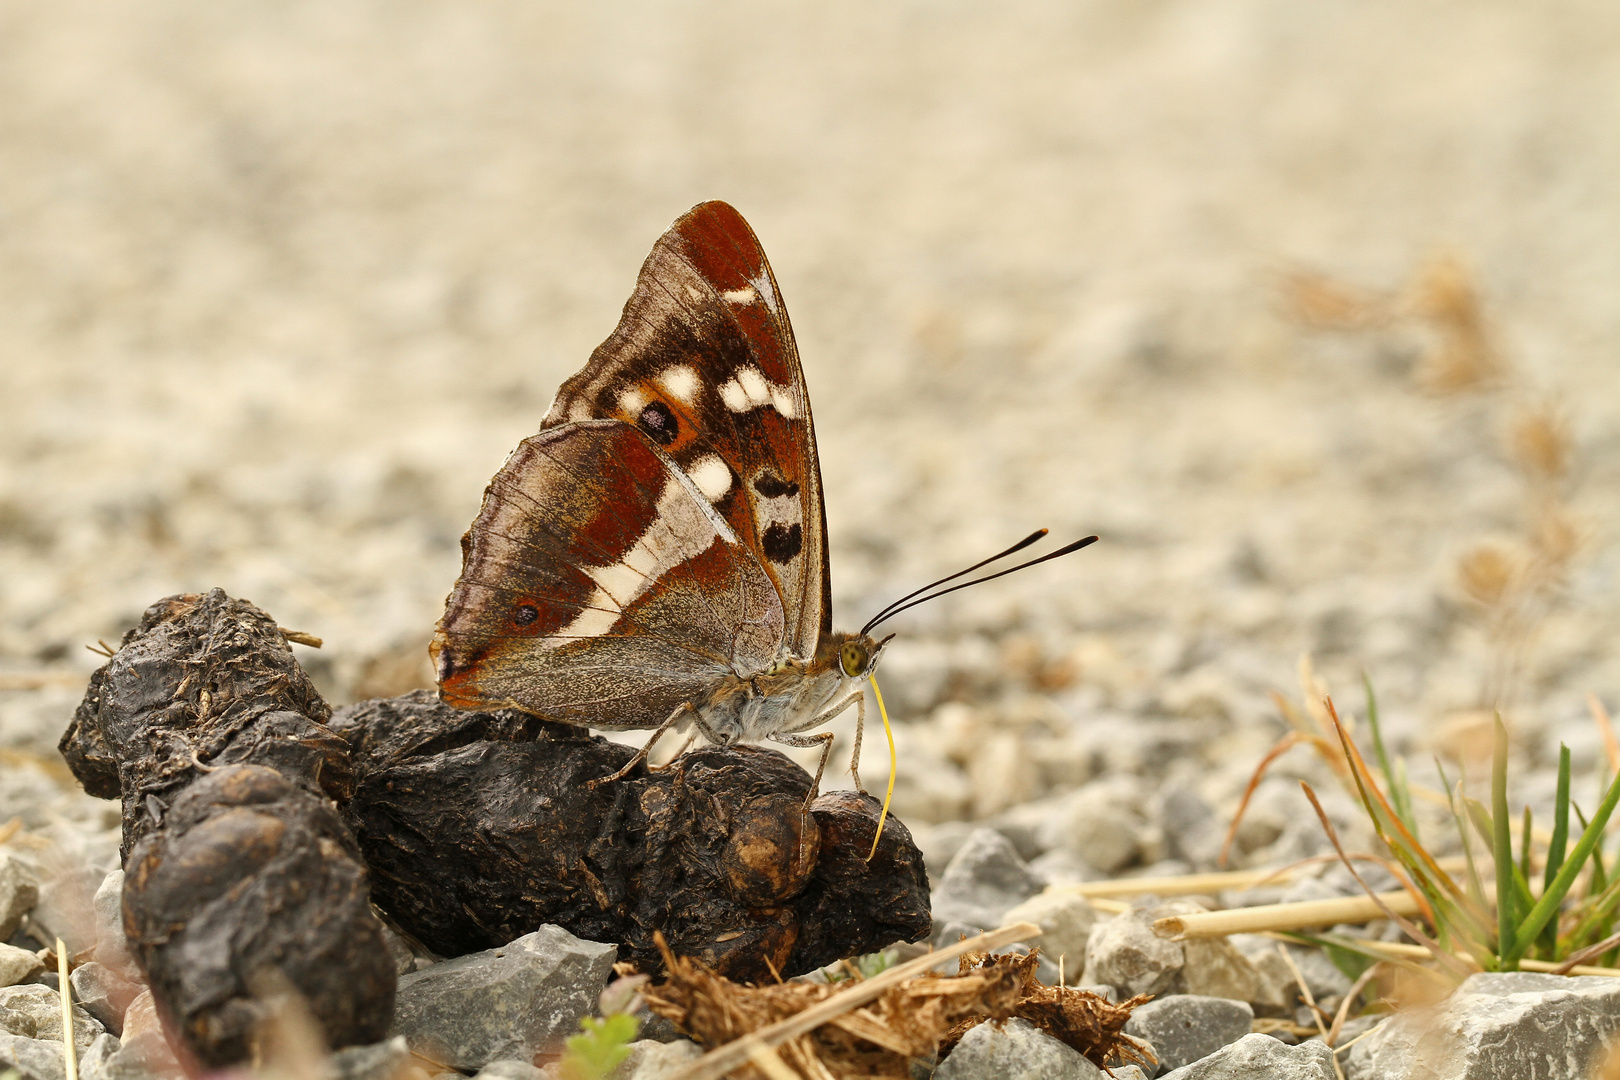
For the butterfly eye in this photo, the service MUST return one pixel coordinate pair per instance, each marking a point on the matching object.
(852, 658)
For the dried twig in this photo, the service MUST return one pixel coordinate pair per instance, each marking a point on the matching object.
(716, 1063)
(70, 1053)
(1299, 915)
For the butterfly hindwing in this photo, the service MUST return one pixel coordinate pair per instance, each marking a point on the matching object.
(600, 587)
(703, 363)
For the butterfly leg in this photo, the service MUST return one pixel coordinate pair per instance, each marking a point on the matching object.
(641, 755)
(825, 738)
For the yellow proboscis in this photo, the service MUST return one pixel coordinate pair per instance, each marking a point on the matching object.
(887, 795)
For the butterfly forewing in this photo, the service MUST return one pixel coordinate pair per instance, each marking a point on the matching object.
(600, 587)
(703, 363)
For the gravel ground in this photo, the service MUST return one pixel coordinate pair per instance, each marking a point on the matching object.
(281, 284)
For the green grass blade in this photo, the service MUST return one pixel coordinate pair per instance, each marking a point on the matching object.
(1502, 850)
(1547, 906)
(1394, 778)
(1524, 846)
(1559, 845)
(1600, 874)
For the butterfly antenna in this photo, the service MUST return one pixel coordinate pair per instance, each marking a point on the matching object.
(893, 610)
(1020, 546)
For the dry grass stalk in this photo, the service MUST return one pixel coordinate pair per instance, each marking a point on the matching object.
(877, 1027)
(1321, 303)
(1406, 951)
(1300, 915)
(70, 1053)
(1600, 717)
(1180, 884)
(1463, 357)
(39, 680)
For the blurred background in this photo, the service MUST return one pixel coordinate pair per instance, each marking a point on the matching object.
(1308, 310)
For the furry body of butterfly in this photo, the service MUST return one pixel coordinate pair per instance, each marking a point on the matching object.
(656, 556)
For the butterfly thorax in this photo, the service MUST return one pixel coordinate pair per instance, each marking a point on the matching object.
(789, 696)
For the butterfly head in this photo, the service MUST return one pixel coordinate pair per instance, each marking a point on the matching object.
(852, 656)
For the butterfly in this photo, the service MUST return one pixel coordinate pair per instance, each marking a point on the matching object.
(656, 556)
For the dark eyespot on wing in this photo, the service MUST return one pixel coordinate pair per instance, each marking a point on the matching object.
(774, 487)
(659, 422)
(525, 614)
(782, 542)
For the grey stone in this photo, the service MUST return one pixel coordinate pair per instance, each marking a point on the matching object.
(1129, 1072)
(1213, 967)
(143, 1050)
(104, 993)
(17, 965)
(651, 1060)
(19, 892)
(509, 1069)
(1125, 953)
(33, 1059)
(1185, 1027)
(1260, 1057)
(96, 1063)
(399, 949)
(1192, 830)
(1515, 1024)
(1065, 920)
(111, 947)
(983, 882)
(513, 1002)
(378, 1061)
(1100, 824)
(1017, 1051)
(35, 1012)
(1326, 982)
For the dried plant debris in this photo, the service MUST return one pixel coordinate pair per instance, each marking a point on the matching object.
(919, 1019)
(480, 827)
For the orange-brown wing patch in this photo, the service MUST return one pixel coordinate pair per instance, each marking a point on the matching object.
(598, 587)
(704, 363)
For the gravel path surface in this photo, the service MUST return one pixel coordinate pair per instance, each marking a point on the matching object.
(281, 284)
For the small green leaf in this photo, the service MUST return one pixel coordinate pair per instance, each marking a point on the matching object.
(600, 1048)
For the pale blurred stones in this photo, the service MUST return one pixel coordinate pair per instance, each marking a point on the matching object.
(928, 786)
(144, 1049)
(1186, 1027)
(96, 1063)
(512, 1002)
(1255, 1056)
(511, 1069)
(387, 1060)
(983, 882)
(1213, 967)
(1016, 1051)
(940, 843)
(33, 1059)
(104, 993)
(112, 949)
(34, 1011)
(1516, 1024)
(1061, 867)
(1066, 920)
(1125, 953)
(1278, 992)
(16, 965)
(1002, 773)
(652, 1060)
(19, 892)
(1100, 824)
(1192, 831)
